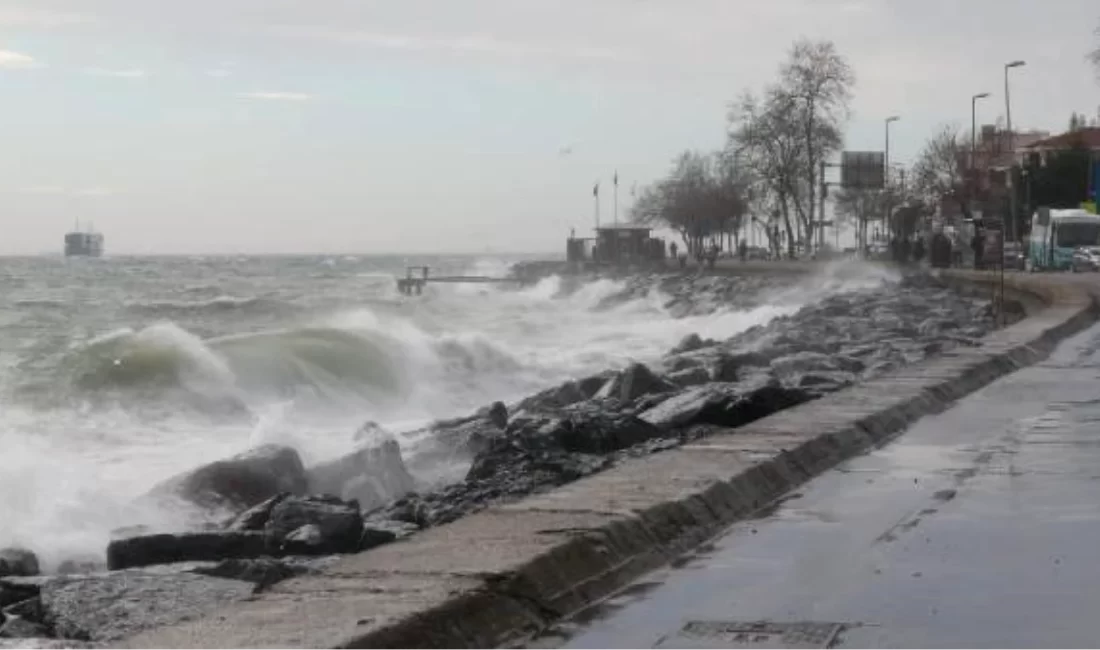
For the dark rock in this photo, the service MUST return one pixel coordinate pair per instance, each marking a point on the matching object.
(18, 562)
(568, 393)
(307, 540)
(255, 518)
(242, 481)
(589, 386)
(730, 367)
(379, 532)
(825, 381)
(167, 548)
(690, 377)
(28, 610)
(112, 606)
(498, 415)
(725, 404)
(632, 383)
(18, 628)
(601, 433)
(802, 362)
(13, 593)
(372, 476)
(315, 525)
(691, 343)
(262, 572)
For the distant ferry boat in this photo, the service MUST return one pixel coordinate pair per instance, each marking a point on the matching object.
(83, 243)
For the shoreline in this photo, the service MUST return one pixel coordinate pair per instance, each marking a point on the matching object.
(500, 456)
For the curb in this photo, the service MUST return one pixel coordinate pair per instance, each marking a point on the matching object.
(502, 575)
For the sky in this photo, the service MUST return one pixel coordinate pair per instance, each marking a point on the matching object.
(379, 126)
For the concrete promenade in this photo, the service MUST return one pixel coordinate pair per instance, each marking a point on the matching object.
(978, 527)
(506, 574)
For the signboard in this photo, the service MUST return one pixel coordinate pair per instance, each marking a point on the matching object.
(862, 170)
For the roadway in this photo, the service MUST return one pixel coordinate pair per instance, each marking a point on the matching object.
(979, 527)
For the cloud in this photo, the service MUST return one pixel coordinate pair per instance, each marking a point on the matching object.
(58, 190)
(17, 61)
(123, 73)
(26, 17)
(476, 44)
(277, 96)
(218, 73)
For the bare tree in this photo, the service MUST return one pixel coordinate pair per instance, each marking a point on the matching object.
(786, 133)
(702, 197)
(765, 138)
(1094, 56)
(940, 171)
(819, 82)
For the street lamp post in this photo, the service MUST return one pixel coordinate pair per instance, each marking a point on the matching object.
(886, 169)
(1011, 151)
(974, 127)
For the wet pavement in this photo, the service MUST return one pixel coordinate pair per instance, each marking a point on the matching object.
(979, 527)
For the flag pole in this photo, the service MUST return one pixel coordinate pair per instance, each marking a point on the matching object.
(596, 199)
(616, 197)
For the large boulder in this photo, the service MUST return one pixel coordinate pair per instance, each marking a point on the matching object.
(731, 367)
(725, 404)
(372, 476)
(554, 398)
(262, 572)
(108, 607)
(314, 525)
(802, 362)
(634, 382)
(566, 446)
(18, 562)
(242, 481)
(19, 628)
(168, 548)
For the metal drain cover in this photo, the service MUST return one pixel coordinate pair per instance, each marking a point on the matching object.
(760, 634)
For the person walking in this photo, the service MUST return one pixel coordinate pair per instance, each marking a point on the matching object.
(976, 245)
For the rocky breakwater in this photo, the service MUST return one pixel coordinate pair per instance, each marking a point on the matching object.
(702, 385)
(282, 519)
(272, 518)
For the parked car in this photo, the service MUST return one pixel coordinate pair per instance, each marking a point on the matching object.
(1086, 258)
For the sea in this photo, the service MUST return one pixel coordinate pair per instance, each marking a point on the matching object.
(117, 373)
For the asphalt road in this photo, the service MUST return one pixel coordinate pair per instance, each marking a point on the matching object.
(979, 527)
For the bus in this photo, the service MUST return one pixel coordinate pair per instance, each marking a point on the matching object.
(1056, 235)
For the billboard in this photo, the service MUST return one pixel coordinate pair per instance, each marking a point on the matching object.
(862, 170)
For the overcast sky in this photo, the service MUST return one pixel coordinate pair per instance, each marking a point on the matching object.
(451, 125)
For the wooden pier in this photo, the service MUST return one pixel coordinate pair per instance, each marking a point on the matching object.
(417, 277)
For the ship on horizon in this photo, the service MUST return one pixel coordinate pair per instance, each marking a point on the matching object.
(83, 243)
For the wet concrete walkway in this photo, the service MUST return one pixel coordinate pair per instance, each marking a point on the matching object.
(979, 527)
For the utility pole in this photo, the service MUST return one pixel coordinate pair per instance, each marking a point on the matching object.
(1012, 153)
(886, 170)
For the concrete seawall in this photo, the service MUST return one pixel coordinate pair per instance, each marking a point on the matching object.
(499, 576)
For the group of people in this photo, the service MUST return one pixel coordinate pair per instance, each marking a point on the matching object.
(941, 250)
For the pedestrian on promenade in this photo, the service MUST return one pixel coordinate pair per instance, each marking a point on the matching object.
(918, 250)
(976, 245)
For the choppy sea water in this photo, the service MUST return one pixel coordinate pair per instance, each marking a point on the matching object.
(117, 373)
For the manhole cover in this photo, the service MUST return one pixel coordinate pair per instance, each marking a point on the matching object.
(740, 634)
